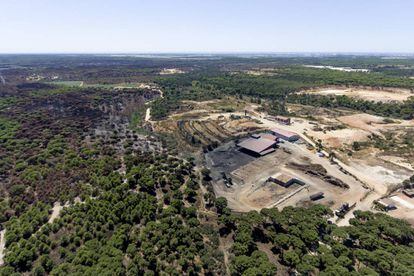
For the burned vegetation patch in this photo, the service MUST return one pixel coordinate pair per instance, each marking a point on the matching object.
(45, 153)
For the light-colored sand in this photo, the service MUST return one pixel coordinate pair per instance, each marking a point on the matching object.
(148, 114)
(378, 175)
(403, 202)
(171, 71)
(376, 95)
(398, 161)
(405, 206)
(344, 69)
(334, 138)
(340, 137)
(365, 122)
(55, 212)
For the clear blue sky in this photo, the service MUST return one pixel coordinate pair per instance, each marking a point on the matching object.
(206, 26)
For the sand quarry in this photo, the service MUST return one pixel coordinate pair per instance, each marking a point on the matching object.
(384, 170)
(369, 94)
(374, 170)
(250, 191)
(370, 172)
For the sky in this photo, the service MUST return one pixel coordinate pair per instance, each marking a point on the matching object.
(154, 26)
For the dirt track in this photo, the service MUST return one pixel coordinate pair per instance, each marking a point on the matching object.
(148, 114)
(2, 245)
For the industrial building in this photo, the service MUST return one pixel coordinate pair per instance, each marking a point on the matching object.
(257, 145)
(268, 136)
(279, 119)
(285, 134)
(284, 180)
(283, 120)
(387, 204)
(316, 196)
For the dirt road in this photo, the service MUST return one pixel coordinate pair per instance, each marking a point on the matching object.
(148, 114)
(148, 111)
(363, 205)
(2, 245)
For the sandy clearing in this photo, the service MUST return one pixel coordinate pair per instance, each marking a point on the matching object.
(376, 95)
(374, 124)
(365, 122)
(344, 69)
(402, 202)
(171, 71)
(202, 103)
(55, 212)
(334, 138)
(399, 161)
(378, 176)
(340, 137)
(2, 245)
(405, 206)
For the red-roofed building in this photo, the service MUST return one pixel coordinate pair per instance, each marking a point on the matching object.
(283, 120)
(268, 136)
(258, 146)
(285, 134)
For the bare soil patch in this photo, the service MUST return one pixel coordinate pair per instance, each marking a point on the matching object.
(340, 137)
(171, 71)
(367, 122)
(404, 206)
(369, 94)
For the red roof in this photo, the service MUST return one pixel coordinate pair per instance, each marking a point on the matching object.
(282, 118)
(268, 136)
(257, 145)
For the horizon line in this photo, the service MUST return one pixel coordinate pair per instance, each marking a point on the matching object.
(212, 53)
